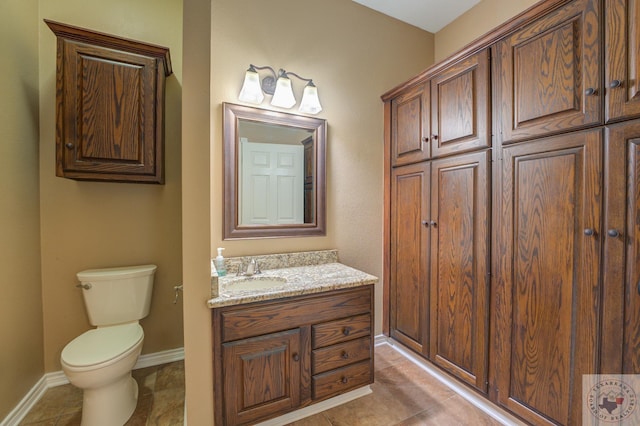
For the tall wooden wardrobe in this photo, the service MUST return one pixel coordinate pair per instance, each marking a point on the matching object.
(512, 182)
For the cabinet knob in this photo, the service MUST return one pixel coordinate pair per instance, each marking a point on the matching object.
(615, 83)
(296, 357)
(434, 137)
(345, 355)
(344, 380)
(613, 233)
(69, 145)
(346, 331)
(590, 91)
(425, 139)
(425, 223)
(433, 223)
(589, 232)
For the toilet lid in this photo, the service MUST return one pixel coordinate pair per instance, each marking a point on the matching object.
(101, 344)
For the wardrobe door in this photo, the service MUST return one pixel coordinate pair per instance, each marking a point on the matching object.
(547, 295)
(621, 248)
(622, 59)
(410, 129)
(460, 107)
(459, 265)
(409, 314)
(549, 74)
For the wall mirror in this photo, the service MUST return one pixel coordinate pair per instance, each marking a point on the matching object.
(274, 173)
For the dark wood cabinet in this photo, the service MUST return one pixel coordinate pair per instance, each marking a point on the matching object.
(409, 245)
(561, 297)
(620, 239)
(460, 106)
(547, 263)
(622, 59)
(261, 376)
(459, 226)
(411, 130)
(277, 356)
(109, 107)
(549, 74)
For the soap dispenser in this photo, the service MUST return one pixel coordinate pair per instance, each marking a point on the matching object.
(222, 270)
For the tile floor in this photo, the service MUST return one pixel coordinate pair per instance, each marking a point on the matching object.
(403, 395)
(160, 400)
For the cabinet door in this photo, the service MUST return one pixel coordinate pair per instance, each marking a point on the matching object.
(261, 376)
(410, 126)
(621, 243)
(108, 115)
(409, 315)
(547, 265)
(459, 265)
(548, 74)
(622, 61)
(460, 102)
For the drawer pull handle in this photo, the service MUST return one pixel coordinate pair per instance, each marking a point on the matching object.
(296, 357)
(346, 331)
(344, 380)
(345, 355)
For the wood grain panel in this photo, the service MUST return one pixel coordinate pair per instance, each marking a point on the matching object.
(547, 296)
(621, 254)
(262, 376)
(622, 61)
(460, 107)
(240, 322)
(549, 74)
(410, 126)
(409, 317)
(459, 266)
(109, 106)
(112, 119)
(341, 380)
(330, 333)
(342, 354)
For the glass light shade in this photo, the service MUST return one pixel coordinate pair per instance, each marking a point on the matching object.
(310, 102)
(283, 96)
(251, 91)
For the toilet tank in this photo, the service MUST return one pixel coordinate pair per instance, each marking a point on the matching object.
(117, 295)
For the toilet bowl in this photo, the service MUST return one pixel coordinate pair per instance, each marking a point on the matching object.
(100, 360)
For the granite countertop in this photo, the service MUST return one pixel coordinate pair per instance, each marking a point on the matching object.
(299, 280)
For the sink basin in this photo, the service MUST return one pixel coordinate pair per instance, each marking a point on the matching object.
(254, 283)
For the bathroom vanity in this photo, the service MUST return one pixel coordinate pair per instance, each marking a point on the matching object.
(305, 338)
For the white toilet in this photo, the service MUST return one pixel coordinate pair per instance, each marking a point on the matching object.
(100, 360)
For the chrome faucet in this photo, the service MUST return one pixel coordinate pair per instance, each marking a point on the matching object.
(251, 269)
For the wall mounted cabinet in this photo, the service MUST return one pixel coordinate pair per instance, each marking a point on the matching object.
(109, 106)
(444, 115)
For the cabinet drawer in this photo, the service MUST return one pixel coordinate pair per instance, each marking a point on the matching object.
(339, 355)
(342, 330)
(243, 322)
(338, 381)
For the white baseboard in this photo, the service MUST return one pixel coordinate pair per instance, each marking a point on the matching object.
(57, 378)
(22, 409)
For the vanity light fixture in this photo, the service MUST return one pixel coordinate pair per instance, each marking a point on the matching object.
(279, 86)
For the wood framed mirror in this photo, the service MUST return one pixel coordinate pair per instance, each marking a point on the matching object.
(274, 173)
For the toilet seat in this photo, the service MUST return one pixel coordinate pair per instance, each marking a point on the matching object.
(101, 345)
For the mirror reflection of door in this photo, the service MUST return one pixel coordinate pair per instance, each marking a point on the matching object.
(271, 183)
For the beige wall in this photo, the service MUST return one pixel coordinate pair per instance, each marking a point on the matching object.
(89, 224)
(479, 20)
(353, 55)
(21, 363)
